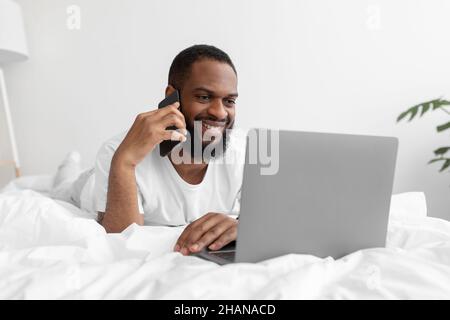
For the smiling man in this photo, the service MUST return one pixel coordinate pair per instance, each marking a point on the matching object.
(134, 184)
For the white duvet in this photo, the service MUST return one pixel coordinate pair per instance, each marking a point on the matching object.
(52, 250)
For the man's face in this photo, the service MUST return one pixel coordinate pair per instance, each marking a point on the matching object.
(209, 95)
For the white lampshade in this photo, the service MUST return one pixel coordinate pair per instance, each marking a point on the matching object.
(13, 46)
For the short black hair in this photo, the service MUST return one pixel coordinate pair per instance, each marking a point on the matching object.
(181, 64)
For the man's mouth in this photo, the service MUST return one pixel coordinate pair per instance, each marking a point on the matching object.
(213, 126)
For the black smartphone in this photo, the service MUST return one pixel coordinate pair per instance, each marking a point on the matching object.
(167, 145)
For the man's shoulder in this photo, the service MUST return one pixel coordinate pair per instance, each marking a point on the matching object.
(110, 146)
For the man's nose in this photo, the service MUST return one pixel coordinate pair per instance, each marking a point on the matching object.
(217, 109)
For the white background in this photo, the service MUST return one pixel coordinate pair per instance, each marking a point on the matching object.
(346, 66)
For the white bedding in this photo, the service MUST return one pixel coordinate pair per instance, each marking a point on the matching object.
(51, 249)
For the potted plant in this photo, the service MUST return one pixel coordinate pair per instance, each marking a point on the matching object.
(442, 154)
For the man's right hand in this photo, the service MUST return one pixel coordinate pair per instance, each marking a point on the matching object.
(148, 130)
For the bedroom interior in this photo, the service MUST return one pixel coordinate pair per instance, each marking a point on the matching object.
(75, 73)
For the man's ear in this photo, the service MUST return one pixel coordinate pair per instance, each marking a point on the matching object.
(169, 90)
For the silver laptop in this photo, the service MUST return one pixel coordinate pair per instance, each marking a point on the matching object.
(330, 197)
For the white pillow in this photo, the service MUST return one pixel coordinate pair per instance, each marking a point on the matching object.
(408, 204)
(39, 183)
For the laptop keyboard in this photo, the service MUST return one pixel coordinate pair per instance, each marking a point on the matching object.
(227, 255)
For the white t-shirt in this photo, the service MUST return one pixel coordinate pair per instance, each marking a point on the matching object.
(164, 198)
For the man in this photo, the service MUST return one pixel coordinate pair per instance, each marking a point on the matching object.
(134, 184)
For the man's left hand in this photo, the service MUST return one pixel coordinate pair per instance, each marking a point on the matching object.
(213, 230)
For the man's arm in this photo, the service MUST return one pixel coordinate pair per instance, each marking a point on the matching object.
(122, 208)
(148, 130)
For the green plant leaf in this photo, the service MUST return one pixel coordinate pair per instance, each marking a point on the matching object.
(443, 127)
(445, 165)
(424, 107)
(413, 113)
(441, 151)
(435, 160)
(438, 103)
(402, 115)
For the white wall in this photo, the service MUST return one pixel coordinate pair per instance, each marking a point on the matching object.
(307, 65)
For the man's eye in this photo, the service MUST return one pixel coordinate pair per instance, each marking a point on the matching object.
(231, 101)
(204, 98)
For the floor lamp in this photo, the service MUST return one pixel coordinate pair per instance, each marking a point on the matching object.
(13, 48)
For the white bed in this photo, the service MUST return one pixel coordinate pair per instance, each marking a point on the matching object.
(52, 250)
